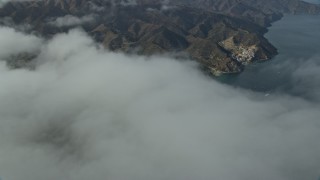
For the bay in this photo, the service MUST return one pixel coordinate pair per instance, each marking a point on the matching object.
(297, 38)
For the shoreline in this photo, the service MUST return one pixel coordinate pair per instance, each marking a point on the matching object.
(296, 38)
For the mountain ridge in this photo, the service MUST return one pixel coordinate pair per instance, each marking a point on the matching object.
(223, 36)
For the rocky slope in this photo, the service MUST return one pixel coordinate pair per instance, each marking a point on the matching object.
(261, 12)
(223, 35)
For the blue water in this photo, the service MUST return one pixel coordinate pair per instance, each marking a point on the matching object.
(297, 39)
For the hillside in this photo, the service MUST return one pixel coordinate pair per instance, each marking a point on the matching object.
(223, 35)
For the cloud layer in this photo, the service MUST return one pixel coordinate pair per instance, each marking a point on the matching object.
(86, 113)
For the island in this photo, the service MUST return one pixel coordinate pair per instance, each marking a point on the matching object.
(222, 35)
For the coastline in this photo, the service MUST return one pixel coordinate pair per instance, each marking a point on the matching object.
(295, 36)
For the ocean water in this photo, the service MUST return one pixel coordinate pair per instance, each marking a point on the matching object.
(313, 1)
(297, 39)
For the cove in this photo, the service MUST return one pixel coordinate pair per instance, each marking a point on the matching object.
(297, 38)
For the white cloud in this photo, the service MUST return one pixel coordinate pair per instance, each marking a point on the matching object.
(13, 42)
(90, 114)
(70, 20)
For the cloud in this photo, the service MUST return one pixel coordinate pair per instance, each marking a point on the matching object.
(86, 113)
(8, 22)
(70, 20)
(3, 2)
(14, 42)
(128, 2)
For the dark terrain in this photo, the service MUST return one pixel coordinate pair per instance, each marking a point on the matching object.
(223, 35)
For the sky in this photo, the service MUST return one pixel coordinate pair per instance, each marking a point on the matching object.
(86, 113)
